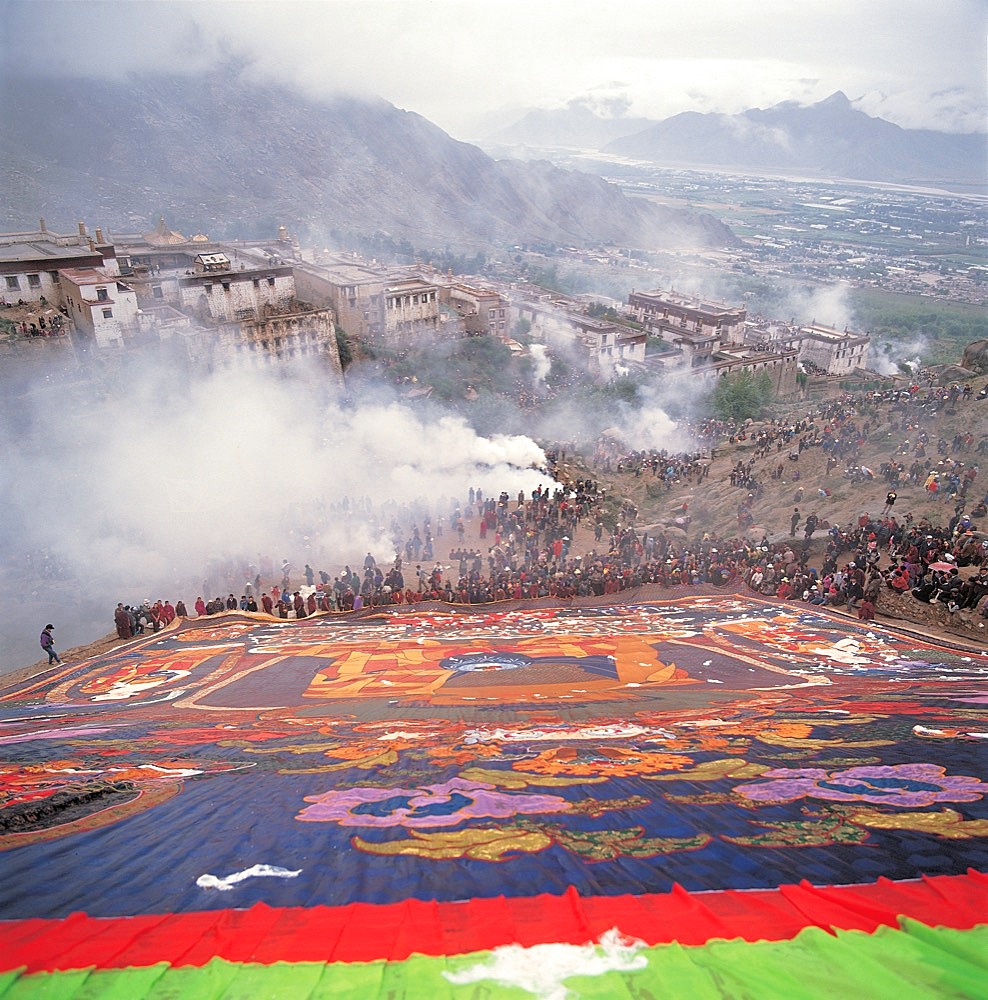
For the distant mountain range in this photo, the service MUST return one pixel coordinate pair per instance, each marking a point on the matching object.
(227, 156)
(829, 139)
(573, 127)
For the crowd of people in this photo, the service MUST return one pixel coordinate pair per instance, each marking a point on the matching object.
(131, 620)
(880, 554)
(856, 565)
(887, 552)
(524, 542)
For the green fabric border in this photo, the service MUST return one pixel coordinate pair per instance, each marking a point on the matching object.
(914, 962)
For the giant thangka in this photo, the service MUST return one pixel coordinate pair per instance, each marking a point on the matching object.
(717, 796)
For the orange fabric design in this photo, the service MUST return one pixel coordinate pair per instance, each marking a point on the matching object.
(414, 669)
(610, 761)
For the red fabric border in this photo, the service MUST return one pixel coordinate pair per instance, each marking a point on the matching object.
(363, 932)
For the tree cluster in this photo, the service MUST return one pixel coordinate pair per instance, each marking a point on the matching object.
(742, 396)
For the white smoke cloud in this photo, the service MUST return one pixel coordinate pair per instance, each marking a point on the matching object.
(889, 356)
(653, 419)
(540, 355)
(651, 428)
(134, 490)
(829, 305)
(650, 425)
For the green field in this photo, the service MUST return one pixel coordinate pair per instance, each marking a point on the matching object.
(947, 326)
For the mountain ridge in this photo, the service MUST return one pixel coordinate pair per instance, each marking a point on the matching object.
(223, 154)
(830, 138)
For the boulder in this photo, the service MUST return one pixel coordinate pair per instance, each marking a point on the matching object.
(976, 357)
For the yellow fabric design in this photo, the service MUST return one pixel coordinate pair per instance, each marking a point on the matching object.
(366, 762)
(945, 823)
(515, 779)
(480, 845)
(781, 741)
(713, 770)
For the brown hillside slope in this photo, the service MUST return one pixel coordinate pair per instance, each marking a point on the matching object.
(713, 502)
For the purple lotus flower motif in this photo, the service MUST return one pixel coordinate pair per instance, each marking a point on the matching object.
(446, 804)
(906, 785)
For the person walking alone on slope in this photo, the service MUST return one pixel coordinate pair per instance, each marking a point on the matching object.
(48, 644)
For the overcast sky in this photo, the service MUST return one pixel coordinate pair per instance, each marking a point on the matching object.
(919, 63)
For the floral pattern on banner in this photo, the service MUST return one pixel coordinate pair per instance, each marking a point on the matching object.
(440, 805)
(903, 785)
(714, 742)
(602, 761)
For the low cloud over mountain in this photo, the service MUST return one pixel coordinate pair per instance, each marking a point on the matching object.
(829, 138)
(576, 126)
(221, 154)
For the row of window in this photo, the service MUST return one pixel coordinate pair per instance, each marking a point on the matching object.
(33, 281)
(290, 352)
(289, 340)
(226, 284)
(398, 301)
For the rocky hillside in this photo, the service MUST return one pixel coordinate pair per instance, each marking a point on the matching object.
(225, 155)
